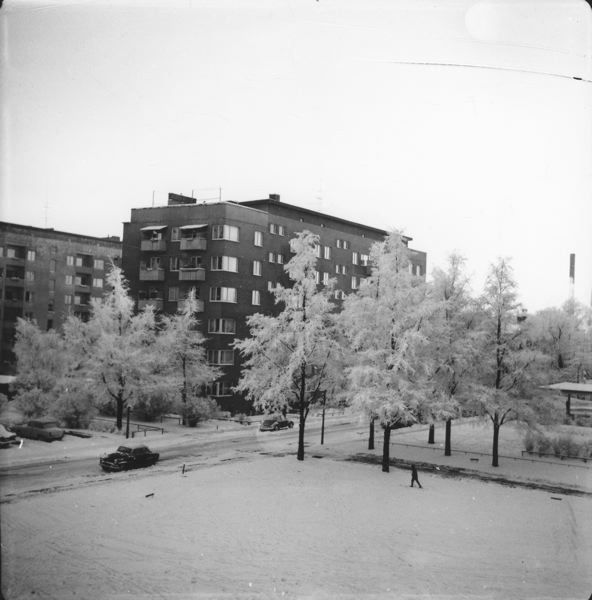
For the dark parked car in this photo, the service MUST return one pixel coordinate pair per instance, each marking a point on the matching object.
(46, 429)
(8, 437)
(275, 424)
(128, 457)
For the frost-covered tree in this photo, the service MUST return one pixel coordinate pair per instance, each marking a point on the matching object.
(454, 341)
(115, 348)
(506, 362)
(40, 366)
(383, 324)
(287, 356)
(181, 342)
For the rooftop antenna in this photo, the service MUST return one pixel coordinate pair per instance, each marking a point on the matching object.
(572, 278)
(153, 191)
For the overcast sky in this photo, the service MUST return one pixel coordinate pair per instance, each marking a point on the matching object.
(459, 122)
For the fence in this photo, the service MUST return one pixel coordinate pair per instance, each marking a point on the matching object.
(140, 427)
(533, 460)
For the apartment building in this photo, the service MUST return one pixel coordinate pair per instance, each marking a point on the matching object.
(47, 275)
(233, 254)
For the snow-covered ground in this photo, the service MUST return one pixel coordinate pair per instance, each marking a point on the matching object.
(274, 527)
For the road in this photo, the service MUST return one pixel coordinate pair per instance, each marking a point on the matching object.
(52, 475)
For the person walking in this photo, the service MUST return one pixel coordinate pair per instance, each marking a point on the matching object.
(414, 478)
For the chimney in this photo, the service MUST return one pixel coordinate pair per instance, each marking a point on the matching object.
(274, 197)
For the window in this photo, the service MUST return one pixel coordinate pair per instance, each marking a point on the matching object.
(29, 275)
(30, 254)
(221, 357)
(10, 253)
(99, 264)
(317, 276)
(364, 260)
(154, 262)
(340, 269)
(281, 230)
(79, 261)
(51, 284)
(272, 228)
(325, 278)
(255, 297)
(50, 306)
(224, 263)
(271, 286)
(70, 260)
(271, 257)
(339, 295)
(417, 270)
(225, 232)
(355, 283)
(97, 282)
(174, 263)
(221, 326)
(69, 280)
(410, 268)
(317, 249)
(49, 324)
(175, 234)
(77, 299)
(258, 239)
(52, 265)
(173, 294)
(68, 299)
(222, 294)
(342, 244)
(257, 267)
(355, 258)
(29, 296)
(327, 252)
(280, 259)
(220, 388)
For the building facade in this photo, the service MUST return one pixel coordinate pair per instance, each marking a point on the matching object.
(233, 254)
(47, 275)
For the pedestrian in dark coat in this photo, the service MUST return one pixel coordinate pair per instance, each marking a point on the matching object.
(414, 478)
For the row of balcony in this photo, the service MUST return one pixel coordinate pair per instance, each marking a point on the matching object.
(184, 244)
(198, 274)
(158, 304)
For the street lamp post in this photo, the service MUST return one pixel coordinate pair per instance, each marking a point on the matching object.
(324, 392)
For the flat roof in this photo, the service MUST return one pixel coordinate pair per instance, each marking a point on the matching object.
(569, 387)
(49, 231)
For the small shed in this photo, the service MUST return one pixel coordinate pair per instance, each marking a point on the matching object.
(582, 391)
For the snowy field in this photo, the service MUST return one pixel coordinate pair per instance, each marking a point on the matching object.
(273, 527)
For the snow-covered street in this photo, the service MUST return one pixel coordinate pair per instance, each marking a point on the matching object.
(267, 527)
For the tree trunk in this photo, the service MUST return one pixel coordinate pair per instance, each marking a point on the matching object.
(119, 413)
(447, 445)
(300, 454)
(371, 435)
(431, 434)
(496, 428)
(386, 449)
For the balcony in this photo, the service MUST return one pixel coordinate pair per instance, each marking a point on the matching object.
(151, 274)
(197, 243)
(157, 303)
(199, 306)
(195, 274)
(153, 245)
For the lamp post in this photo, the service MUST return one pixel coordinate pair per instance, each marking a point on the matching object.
(324, 392)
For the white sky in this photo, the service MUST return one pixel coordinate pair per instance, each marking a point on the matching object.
(105, 102)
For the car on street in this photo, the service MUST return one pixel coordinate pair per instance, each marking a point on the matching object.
(275, 424)
(44, 428)
(129, 456)
(8, 437)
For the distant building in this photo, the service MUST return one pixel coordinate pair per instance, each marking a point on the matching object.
(47, 275)
(234, 254)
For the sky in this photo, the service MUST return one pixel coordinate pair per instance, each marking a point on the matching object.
(459, 122)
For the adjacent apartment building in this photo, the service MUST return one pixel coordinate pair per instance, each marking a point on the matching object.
(47, 275)
(233, 254)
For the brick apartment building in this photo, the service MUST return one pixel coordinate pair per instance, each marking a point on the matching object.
(47, 275)
(234, 254)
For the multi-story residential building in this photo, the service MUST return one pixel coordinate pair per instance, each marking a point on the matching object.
(233, 254)
(47, 275)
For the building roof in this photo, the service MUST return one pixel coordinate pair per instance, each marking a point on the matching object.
(568, 387)
(50, 232)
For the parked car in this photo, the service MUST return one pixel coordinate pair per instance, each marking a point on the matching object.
(8, 437)
(128, 457)
(45, 428)
(275, 424)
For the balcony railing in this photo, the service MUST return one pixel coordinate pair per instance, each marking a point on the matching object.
(193, 244)
(157, 303)
(197, 274)
(153, 245)
(151, 274)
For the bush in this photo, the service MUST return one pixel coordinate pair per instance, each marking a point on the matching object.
(75, 409)
(560, 446)
(34, 402)
(152, 406)
(197, 409)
